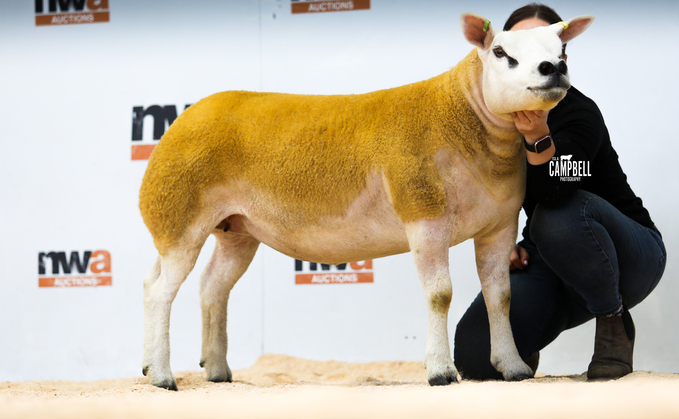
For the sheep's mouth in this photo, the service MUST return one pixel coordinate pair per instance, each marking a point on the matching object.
(553, 83)
(550, 93)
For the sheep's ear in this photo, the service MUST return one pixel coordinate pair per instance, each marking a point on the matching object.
(477, 30)
(574, 27)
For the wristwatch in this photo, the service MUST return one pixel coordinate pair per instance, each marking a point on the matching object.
(540, 145)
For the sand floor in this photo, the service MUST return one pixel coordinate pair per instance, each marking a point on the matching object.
(279, 386)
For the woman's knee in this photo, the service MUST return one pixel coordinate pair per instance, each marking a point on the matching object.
(557, 226)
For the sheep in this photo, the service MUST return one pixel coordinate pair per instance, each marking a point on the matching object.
(341, 178)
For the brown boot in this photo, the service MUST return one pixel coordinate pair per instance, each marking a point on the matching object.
(613, 347)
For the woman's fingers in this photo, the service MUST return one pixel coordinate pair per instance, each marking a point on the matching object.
(518, 258)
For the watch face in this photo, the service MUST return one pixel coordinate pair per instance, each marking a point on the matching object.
(539, 146)
(543, 144)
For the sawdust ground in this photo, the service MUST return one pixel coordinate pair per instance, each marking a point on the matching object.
(279, 386)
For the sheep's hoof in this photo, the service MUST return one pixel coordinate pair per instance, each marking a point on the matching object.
(217, 372)
(519, 377)
(167, 385)
(519, 373)
(228, 378)
(443, 378)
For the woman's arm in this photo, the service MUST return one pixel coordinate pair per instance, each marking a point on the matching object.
(578, 133)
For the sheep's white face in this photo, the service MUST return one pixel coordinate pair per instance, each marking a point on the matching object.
(526, 69)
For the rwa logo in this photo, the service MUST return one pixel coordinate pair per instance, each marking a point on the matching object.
(69, 12)
(357, 272)
(568, 170)
(163, 117)
(92, 269)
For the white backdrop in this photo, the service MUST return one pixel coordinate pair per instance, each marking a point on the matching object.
(67, 182)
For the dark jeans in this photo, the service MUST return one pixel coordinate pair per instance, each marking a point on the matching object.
(585, 256)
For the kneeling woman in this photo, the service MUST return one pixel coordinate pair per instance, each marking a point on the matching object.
(589, 248)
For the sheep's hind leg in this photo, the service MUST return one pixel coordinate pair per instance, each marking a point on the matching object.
(231, 257)
(160, 288)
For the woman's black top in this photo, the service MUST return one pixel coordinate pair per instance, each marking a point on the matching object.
(584, 159)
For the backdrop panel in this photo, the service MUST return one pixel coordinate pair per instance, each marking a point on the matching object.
(78, 99)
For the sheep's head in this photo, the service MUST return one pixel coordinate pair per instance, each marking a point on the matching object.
(525, 69)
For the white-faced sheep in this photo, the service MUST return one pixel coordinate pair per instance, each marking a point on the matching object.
(334, 179)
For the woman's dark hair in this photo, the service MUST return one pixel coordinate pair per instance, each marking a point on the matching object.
(536, 10)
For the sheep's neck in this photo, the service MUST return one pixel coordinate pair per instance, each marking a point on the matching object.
(490, 120)
(488, 141)
(471, 83)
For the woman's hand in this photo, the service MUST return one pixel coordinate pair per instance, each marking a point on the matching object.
(532, 124)
(519, 258)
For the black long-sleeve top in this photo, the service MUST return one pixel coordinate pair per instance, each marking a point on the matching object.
(578, 130)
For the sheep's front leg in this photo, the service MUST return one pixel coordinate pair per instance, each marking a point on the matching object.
(429, 242)
(492, 262)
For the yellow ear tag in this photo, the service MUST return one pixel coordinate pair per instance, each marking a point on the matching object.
(486, 24)
(564, 24)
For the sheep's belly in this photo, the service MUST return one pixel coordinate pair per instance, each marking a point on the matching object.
(344, 242)
(368, 229)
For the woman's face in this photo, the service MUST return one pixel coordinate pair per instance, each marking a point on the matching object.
(529, 23)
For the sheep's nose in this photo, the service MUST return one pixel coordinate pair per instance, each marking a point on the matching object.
(562, 67)
(546, 68)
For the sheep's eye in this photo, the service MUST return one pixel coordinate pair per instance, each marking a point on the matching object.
(499, 52)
